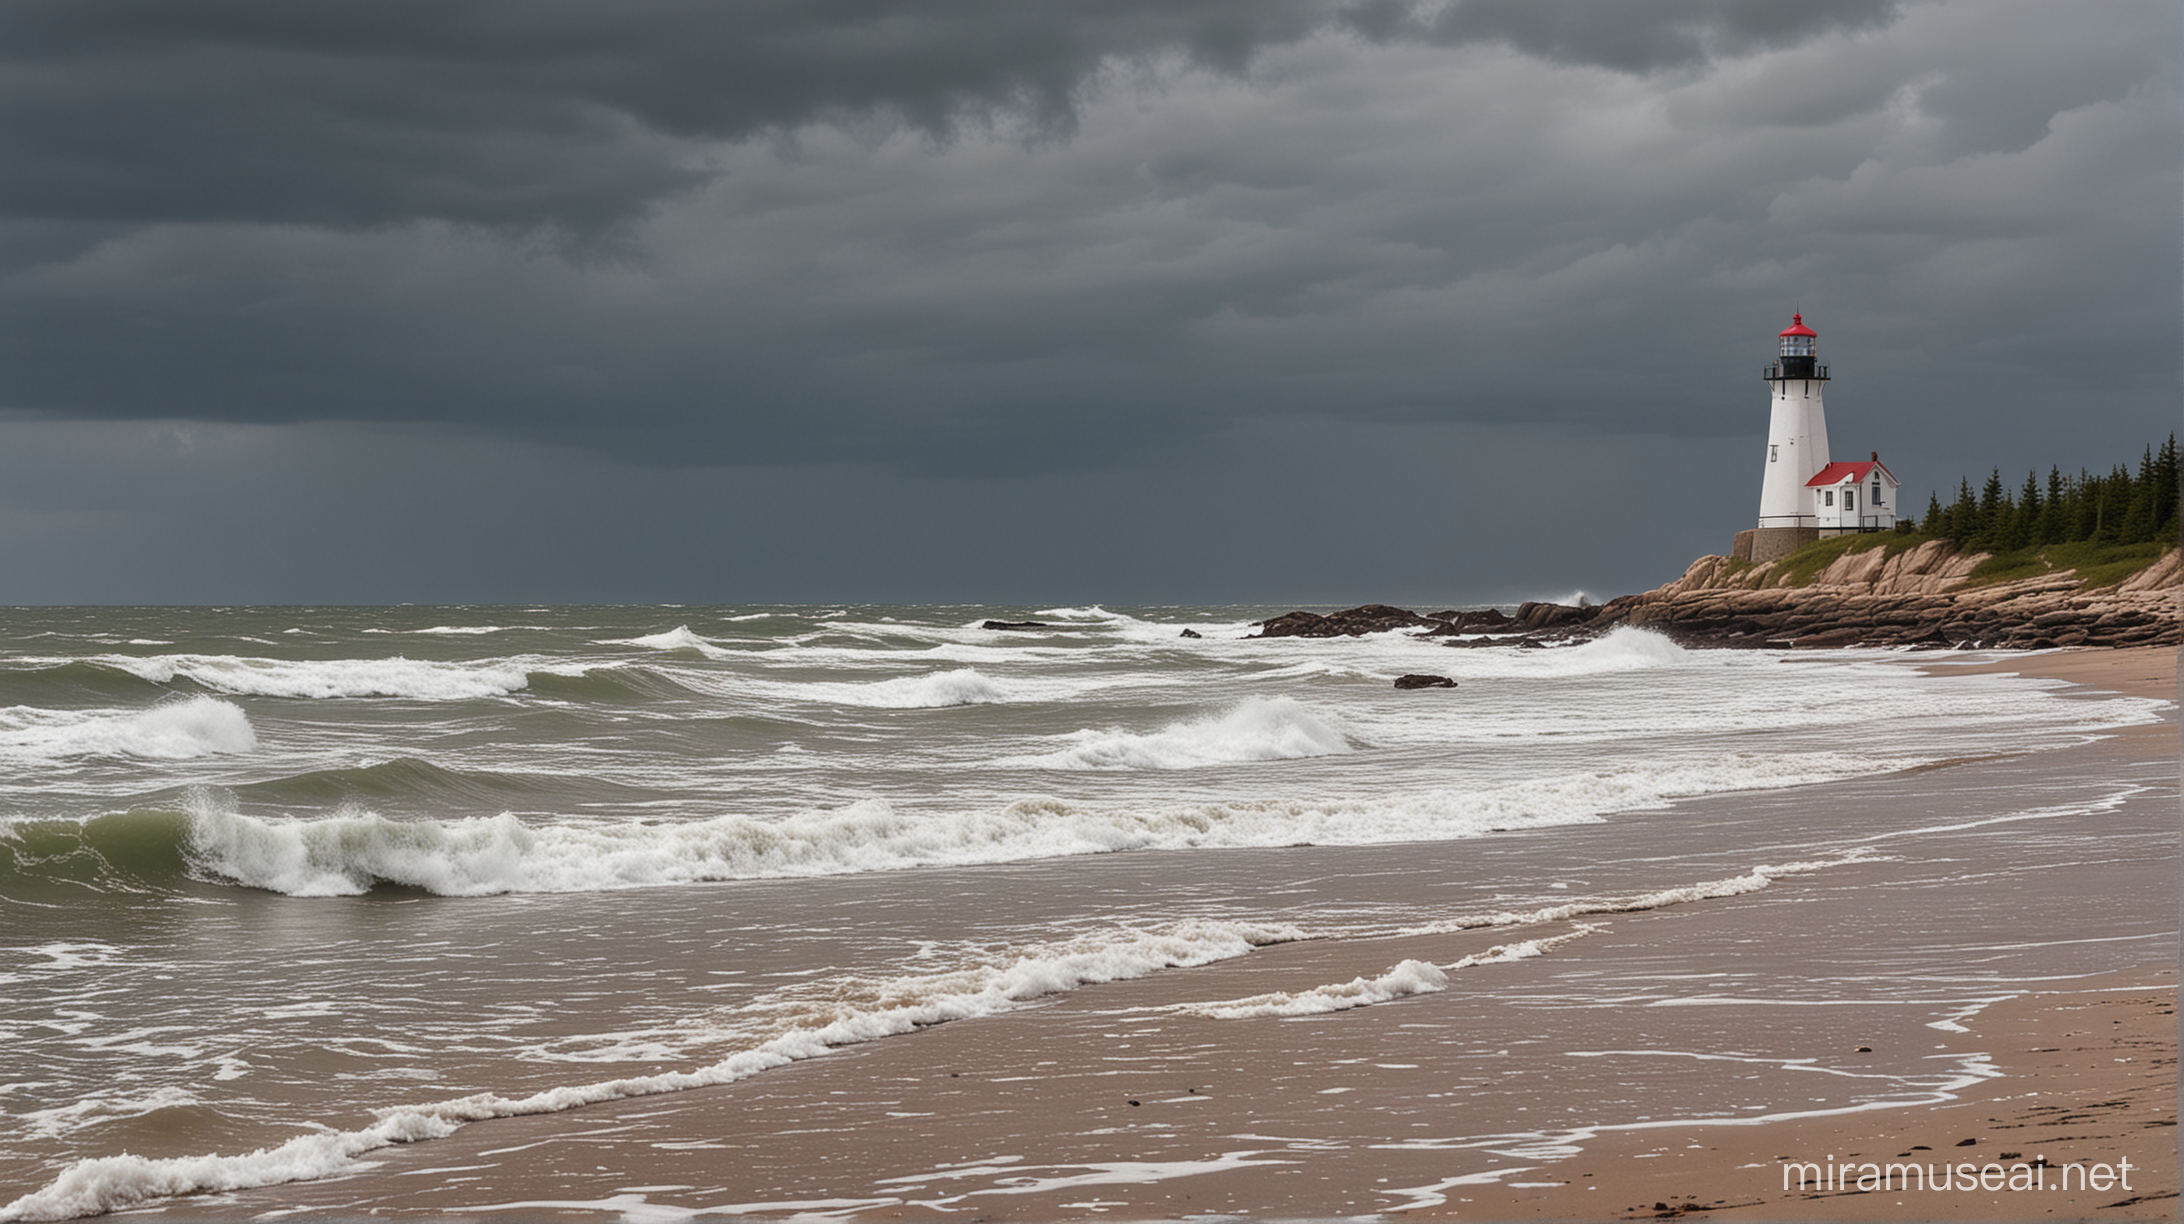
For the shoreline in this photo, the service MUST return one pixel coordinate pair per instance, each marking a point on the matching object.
(2084, 1075)
(2069, 1044)
(1103, 1101)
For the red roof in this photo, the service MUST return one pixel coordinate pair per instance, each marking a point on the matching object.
(1797, 326)
(1838, 473)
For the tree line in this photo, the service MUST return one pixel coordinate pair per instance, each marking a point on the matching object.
(2119, 508)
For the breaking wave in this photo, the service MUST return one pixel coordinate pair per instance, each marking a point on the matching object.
(1257, 729)
(678, 638)
(392, 677)
(963, 686)
(168, 731)
(1409, 977)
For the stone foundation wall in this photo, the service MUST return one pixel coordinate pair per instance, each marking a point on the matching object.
(1763, 544)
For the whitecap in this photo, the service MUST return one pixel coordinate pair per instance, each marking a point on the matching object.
(678, 638)
(169, 731)
(1257, 729)
(323, 678)
(963, 686)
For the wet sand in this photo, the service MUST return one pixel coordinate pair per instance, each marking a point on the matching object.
(1107, 1102)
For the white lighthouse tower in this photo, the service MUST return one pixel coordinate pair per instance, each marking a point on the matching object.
(1797, 430)
(1803, 496)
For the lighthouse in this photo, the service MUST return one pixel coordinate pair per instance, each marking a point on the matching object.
(1797, 428)
(1802, 495)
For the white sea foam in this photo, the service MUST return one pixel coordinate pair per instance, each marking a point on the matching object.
(391, 677)
(1734, 886)
(91, 1111)
(1625, 648)
(963, 686)
(1409, 977)
(168, 731)
(678, 638)
(843, 1013)
(351, 851)
(1094, 613)
(1257, 729)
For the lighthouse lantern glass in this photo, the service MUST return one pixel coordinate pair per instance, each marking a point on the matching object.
(1797, 346)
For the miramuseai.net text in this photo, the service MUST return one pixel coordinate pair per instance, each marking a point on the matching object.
(2036, 1174)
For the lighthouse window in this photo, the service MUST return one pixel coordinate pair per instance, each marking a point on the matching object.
(1772, 454)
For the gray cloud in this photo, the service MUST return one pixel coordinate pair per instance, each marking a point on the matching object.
(1005, 242)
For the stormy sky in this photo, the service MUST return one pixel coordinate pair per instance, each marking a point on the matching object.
(1012, 302)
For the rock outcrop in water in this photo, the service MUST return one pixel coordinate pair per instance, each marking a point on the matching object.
(1422, 681)
(1923, 596)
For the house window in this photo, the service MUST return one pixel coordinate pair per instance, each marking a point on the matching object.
(1850, 499)
(1875, 500)
(1827, 497)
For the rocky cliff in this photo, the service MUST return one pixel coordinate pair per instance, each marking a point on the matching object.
(1922, 596)
(1877, 592)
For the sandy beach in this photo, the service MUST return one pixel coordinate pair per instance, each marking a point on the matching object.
(2051, 1049)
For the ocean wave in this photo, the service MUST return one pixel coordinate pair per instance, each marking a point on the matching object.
(963, 686)
(53, 682)
(168, 731)
(125, 852)
(356, 849)
(805, 1025)
(419, 784)
(1257, 729)
(1093, 613)
(1706, 890)
(613, 685)
(1409, 977)
(323, 678)
(92, 1111)
(678, 638)
(1625, 648)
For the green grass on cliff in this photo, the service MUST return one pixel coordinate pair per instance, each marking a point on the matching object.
(1804, 565)
(2097, 565)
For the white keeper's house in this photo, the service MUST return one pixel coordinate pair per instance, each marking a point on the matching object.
(1804, 496)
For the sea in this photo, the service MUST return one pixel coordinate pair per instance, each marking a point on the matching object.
(283, 887)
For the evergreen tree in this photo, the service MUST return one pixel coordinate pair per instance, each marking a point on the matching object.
(1963, 513)
(2168, 491)
(2121, 507)
(2086, 517)
(2023, 520)
(2115, 498)
(2053, 526)
(2138, 508)
(1992, 521)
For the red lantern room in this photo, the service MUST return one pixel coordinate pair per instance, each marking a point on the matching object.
(1799, 356)
(1799, 340)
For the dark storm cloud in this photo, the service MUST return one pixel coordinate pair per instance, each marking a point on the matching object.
(970, 244)
(544, 112)
(1643, 37)
(516, 113)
